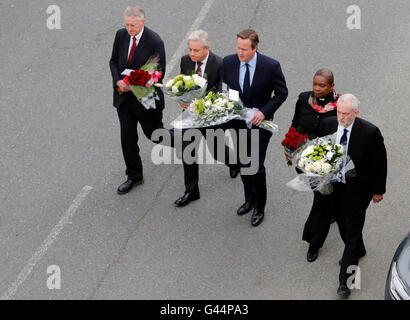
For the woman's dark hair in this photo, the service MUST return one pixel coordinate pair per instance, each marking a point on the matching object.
(326, 73)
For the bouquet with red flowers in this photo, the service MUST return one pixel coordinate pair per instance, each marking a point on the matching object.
(143, 82)
(292, 142)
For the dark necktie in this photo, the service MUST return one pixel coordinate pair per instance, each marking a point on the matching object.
(246, 83)
(198, 69)
(134, 46)
(343, 139)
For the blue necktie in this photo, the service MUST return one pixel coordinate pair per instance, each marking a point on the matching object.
(246, 83)
(343, 139)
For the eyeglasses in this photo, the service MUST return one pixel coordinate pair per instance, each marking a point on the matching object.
(131, 25)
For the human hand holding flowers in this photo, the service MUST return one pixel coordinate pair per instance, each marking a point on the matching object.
(122, 86)
(258, 118)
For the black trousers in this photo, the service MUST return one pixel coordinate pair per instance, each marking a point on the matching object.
(129, 118)
(191, 170)
(318, 223)
(351, 202)
(255, 184)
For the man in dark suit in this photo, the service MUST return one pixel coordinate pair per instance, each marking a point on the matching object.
(133, 46)
(255, 77)
(365, 146)
(202, 61)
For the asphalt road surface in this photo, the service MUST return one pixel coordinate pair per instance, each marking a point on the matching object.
(59, 134)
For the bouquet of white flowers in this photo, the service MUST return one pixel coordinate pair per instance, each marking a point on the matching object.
(215, 109)
(322, 162)
(321, 158)
(185, 88)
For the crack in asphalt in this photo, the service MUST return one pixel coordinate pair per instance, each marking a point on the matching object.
(123, 249)
(253, 19)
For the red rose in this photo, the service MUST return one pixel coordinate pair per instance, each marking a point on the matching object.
(139, 77)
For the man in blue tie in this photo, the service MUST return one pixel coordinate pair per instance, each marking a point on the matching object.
(255, 77)
(363, 142)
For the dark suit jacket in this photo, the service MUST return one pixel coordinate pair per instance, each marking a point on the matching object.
(309, 121)
(367, 150)
(212, 70)
(149, 45)
(268, 78)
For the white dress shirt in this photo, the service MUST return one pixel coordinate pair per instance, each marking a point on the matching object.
(252, 68)
(340, 131)
(137, 39)
(203, 66)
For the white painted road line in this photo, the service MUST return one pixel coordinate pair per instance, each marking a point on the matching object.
(46, 243)
(195, 25)
(170, 67)
(84, 192)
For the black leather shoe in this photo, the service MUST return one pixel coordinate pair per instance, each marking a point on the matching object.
(234, 171)
(127, 185)
(343, 291)
(187, 198)
(312, 254)
(257, 217)
(244, 209)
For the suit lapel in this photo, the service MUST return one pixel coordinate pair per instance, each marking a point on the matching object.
(210, 69)
(258, 71)
(125, 48)
(354, 135)
(209, 63)
(235, 73)
(138, 50)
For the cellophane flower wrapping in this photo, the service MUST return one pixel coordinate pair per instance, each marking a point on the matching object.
(215, 109)
(323, 162)
(185, 88)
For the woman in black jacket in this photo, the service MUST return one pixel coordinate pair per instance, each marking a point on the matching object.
(316, 116)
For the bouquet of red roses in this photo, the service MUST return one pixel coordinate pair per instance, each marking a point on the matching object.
(292, 142)
(143, 81)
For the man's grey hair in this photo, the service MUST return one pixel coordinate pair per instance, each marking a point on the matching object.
(134, 11)
(348, 97)
(200, 35)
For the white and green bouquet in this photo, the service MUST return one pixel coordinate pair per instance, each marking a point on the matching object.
(322, 162)
(215, 109)
(321, 158)
(185, 88)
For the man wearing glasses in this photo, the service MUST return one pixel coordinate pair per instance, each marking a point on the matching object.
(133, 46)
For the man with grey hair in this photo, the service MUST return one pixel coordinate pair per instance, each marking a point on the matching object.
(201, 60)
(364, 144)
(133, 46)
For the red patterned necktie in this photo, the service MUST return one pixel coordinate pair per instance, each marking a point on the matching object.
(198, 69)
(134, 45)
